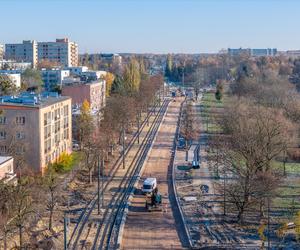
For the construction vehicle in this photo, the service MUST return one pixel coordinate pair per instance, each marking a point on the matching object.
(154, 201)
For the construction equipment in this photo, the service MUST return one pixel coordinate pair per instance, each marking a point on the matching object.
(154, 201)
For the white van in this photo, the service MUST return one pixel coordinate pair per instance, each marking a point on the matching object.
(149, 185)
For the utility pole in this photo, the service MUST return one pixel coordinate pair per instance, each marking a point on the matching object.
(284, 162)
(65, 231)
(102, 183)
(138, 124)
(183, 73)
(269, 222)
(98, 162)
(123, 142)
(224, 187)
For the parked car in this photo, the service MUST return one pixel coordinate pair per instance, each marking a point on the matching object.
(75, 147)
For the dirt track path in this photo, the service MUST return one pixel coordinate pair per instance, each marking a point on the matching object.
(155, 230)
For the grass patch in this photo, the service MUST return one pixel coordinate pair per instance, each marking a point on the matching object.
(210, 111)
(292, 168)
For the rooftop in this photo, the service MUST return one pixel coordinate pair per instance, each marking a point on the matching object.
(33, 100)
(4, 159)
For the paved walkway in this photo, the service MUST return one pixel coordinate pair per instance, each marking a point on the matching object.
(155, 230)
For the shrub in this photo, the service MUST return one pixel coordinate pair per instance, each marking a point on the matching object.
(64, 163)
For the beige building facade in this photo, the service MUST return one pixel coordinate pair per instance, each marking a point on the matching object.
(93, 92)
(39, 129)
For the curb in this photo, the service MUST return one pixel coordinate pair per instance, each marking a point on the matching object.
(187, 232)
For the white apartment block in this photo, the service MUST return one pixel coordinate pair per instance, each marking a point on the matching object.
(62, 51)
(14, 77)
(22, 52)
(13, 65)
(54, 77)
(77, 71)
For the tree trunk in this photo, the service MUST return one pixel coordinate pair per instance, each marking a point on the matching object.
(261, 209)
(50, 219)
(240, 217)
(20, 237)
(5, 239)
(91, 176)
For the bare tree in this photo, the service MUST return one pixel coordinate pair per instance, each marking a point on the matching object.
(254, 137)
(188, 127)
(6, 214)
(21, 205)
(50, 183)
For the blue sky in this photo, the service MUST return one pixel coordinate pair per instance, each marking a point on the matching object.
(158, 26)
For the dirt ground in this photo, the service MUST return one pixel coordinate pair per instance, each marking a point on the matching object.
(155, 230)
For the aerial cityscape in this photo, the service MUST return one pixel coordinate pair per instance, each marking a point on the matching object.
(154, 124)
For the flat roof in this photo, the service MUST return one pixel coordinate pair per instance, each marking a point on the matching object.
(32, 100)
(4, 159)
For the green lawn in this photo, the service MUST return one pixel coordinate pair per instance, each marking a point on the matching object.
(291, 168)
(210, 107)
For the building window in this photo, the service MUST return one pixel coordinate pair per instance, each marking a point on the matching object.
(2, 120)
(20, 135)
(20, 120)
(3, 149)
(2, 135)
(20, 149)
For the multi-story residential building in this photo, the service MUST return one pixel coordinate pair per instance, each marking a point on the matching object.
(9, 65)
(263, 52)
(111, 58)
(7, 174)
(22, 52)
(62, 51)
(14, 77)
(252, 52)
(38, 127)
(93, 92)
(292, 53)
(1, 51)
(54, 77)
(77, 71)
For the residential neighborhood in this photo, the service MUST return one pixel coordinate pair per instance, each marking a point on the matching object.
(135, 125)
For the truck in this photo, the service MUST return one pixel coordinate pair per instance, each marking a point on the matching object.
(149, 185)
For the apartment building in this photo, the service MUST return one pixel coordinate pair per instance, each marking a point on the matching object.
(22, 52)
(38, 127)
(93, 92)
(62, 51)
(54, 77)
(1, 51)
(13, 65)
(15, 78)
(252, 52)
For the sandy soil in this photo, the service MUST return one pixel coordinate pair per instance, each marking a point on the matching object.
(155, 230)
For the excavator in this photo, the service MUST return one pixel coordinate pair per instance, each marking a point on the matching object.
(154, 201)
